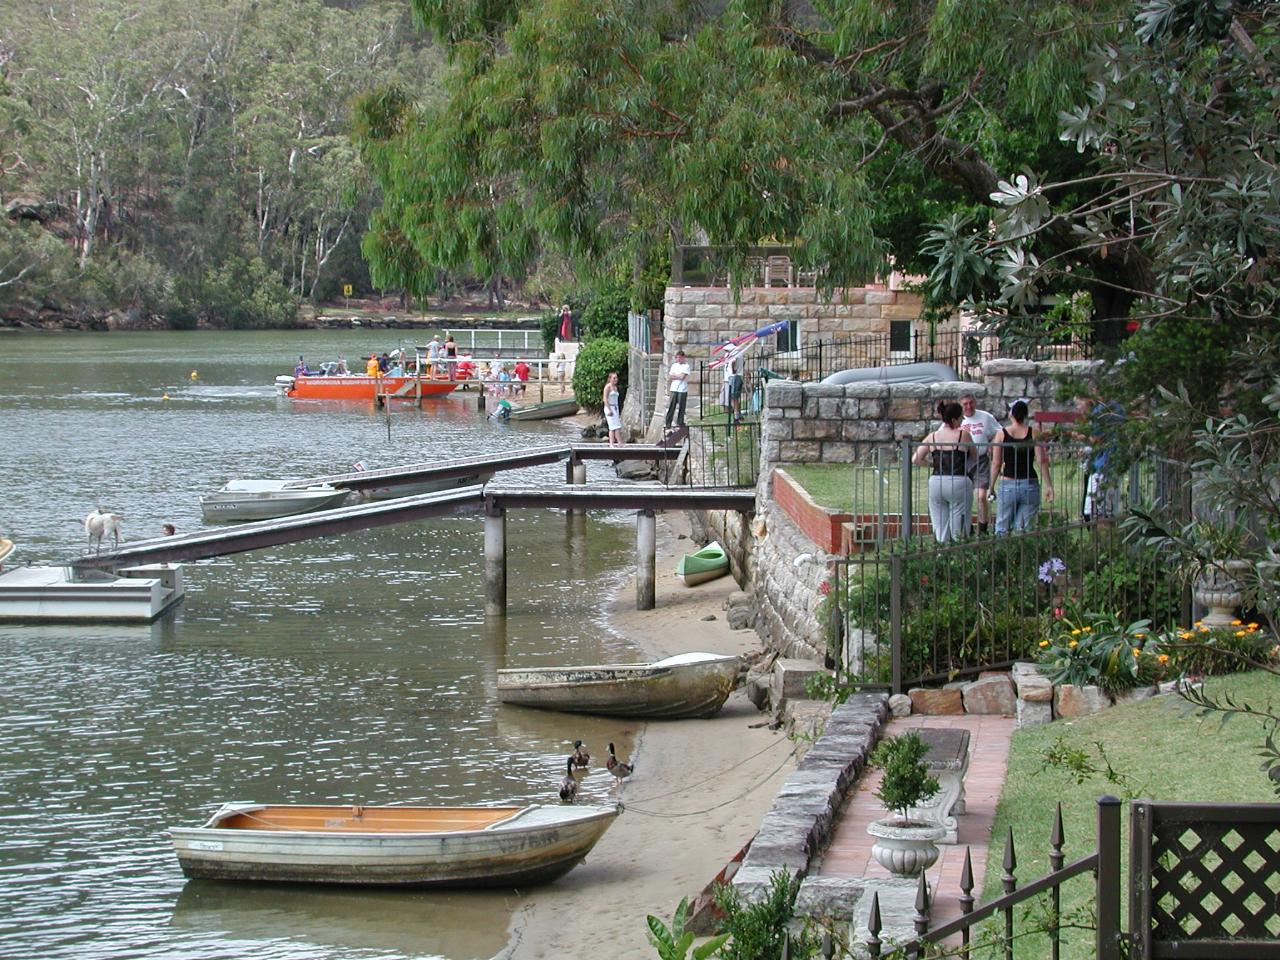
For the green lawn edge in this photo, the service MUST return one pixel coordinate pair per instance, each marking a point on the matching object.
(1165, 753)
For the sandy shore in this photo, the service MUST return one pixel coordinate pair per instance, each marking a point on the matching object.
(699, 791)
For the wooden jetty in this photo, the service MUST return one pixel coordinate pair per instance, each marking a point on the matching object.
(494, 501)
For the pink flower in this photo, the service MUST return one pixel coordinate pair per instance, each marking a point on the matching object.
(824, 588)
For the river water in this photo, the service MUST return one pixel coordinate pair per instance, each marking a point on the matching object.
(351, 670)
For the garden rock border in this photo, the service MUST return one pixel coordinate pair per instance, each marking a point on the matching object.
(799, 823)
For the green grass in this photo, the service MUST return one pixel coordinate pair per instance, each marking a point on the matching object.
(860, 488)
(1164, 756)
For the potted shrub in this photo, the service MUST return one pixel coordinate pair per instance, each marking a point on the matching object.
(903, 846)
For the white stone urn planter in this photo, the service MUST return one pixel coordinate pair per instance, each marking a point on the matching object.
(1219, 589)
(906, 848)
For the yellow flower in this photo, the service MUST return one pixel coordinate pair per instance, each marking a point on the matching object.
(1253, 627)
(1073, 643)
(1088, 629)
(1204, 629)
(1185, 635)
(1137, 651)
(1242, 633)
(1139, 635)
(1237, 623)
(1044, 643)
(1075, 633)
(1163, 658)
(1197, 623)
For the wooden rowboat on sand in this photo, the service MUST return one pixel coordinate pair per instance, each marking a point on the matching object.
(690, 685)
(399, 846)
(707, 564)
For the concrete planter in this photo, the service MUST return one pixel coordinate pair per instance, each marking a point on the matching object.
(1219, 589)
(905, 848)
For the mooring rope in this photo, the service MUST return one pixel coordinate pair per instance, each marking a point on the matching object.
(734, 799)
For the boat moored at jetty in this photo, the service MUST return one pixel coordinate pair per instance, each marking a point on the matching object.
(401, 846)
(359, 386)
(267, 500)
(686, 686)
(550, 410)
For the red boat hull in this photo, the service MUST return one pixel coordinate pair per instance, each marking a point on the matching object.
(360, 387)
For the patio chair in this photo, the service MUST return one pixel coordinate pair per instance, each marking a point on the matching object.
(778, 268)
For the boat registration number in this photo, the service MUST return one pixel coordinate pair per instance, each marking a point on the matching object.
(205, 844)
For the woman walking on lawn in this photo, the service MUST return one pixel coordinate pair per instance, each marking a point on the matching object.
(950, 489)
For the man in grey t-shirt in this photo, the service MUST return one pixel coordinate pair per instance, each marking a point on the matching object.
(982, 428)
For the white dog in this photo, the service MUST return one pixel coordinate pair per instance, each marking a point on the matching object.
(98, 524)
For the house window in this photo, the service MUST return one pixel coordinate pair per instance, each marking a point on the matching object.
(788, 338)
(900, 338)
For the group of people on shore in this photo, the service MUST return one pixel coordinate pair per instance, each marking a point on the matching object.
(972, 453)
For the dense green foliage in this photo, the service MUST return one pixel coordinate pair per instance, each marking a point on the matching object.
(992, 602)
(188, 160)
(757, 931)
(675, 942)
(596, 360)
(1178, 129)
(609, 130)
(606, 313)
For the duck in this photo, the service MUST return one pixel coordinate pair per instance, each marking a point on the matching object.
(618, 768)
(580, 755)
(569, 785)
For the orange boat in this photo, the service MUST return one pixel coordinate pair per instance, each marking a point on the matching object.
(358, 386)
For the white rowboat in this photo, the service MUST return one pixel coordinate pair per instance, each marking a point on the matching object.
(418, 846)
(690, 685)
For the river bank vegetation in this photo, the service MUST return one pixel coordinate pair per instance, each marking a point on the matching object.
(190, 162)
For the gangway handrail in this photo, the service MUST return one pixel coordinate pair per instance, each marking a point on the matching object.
(408, 473)
(204, 544)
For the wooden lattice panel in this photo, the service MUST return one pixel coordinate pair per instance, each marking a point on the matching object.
(1206, 880)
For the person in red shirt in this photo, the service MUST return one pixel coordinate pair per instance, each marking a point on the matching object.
(464, 368)
(522, 375)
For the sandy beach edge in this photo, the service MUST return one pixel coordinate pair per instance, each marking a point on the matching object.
(698, 794)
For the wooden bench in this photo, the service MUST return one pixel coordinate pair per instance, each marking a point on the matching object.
(948, 760)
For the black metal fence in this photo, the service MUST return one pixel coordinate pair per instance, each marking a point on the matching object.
(718, 454)
(904, 609)
(1203, 880)
(919, 613)
(963, 351)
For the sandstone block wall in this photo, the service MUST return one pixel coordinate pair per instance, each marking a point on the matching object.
(698, 319)
(813, 423)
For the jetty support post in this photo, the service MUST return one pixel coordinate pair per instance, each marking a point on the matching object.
(495, 560)
(646, 560)
(575, 474)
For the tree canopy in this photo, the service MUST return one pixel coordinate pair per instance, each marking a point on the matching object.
(171, 143)
(609, 130)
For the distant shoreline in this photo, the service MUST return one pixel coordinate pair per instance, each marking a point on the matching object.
(352, 320)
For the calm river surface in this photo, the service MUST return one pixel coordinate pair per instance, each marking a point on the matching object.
(358, 669)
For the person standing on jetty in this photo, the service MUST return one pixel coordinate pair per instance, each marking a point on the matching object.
(981, 428)
(612, 415)
(678, 384)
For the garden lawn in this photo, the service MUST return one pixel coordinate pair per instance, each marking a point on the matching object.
(1162, 754)
(862, 488)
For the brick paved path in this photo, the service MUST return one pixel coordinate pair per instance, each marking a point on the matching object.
(849, 853)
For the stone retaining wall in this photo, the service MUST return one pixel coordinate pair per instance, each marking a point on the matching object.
(799, 823)
(814, 423)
